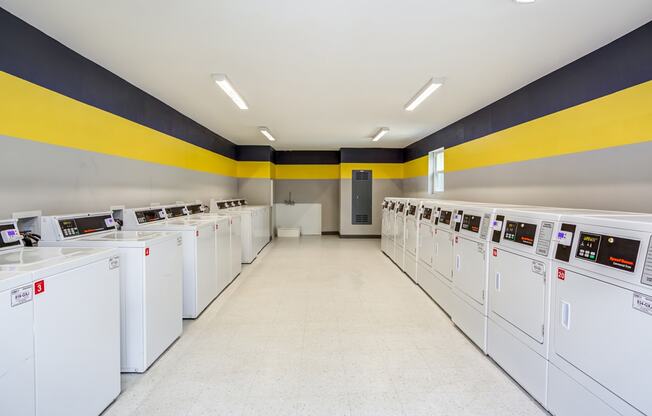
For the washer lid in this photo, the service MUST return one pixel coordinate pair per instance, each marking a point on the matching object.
(127, 236)
(14, 279)
(41, 258)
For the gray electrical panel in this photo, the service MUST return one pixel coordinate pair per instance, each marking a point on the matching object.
(361, 197)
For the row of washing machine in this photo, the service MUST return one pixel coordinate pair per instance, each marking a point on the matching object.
(94, 300)
(561, 299)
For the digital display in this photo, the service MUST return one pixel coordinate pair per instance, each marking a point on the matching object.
(619, 253)
(471, 223)
(401, 206)
(427, 213)
(413, 210)
(445, 217)
(520, 232)
(9, 228)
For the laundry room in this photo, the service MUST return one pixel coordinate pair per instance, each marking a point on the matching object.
(325, 208)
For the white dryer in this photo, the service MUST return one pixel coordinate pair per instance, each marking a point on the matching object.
(426, 245)
(249, 232)
(399, 232)
(411, 243)
(74, 300)
(384, 225)
(391, 228)
(151, 280)
(438, 284)
(601, 317)
(199, 240)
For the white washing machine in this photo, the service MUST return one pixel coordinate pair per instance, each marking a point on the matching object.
(199, 240)
(235, 236)
(73, 296)
(151, 280)
(601, 317)
(411, 243)
(399, 233)
(426, 245)
(252, 221)
(17, 351)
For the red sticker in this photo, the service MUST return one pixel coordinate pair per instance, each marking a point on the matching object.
(39, 287)
(495, 252)
(146, 251)
(561, 274)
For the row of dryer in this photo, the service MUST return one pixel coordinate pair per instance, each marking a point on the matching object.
(94, 299)
(560, 298)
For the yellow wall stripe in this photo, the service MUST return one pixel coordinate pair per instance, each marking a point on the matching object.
(624, 117)
(255, 170)
(28, 111)
(416, 167)
(307, 172)
(379, 170)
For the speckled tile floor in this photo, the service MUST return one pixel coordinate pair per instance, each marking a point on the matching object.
(322, 326)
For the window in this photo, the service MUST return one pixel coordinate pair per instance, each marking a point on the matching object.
(436, 171)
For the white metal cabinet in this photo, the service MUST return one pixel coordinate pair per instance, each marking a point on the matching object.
(76, 340)
(17, 346)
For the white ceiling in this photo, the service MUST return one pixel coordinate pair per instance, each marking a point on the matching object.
(328, 74)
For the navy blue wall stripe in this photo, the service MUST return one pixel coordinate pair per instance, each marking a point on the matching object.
(307, 157)
(255, 153)
(371, 155)
(30, 54)
(621, 64)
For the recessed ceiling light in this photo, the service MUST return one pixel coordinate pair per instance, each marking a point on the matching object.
(383, 131)
(265, 131)
(227, 87)
(424, 93)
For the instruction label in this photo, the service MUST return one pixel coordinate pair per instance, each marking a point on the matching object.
(21, 295)
(114, 262)
(643, 303)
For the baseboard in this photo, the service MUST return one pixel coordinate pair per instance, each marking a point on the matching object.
(359, 236)
(330, 233)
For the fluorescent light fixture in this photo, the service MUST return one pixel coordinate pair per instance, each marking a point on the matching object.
(383, 131)
(227, 87)
(424, 93)
(524, 1)
(265, 131)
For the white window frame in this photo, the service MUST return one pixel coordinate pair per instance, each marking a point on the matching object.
(436, 171)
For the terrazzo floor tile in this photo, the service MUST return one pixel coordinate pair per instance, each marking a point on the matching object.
(322, 326)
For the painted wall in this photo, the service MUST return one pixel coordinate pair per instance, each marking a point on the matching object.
(75, 137)
(578, 137)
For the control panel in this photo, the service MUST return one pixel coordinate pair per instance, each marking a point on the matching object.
(401, 207)
(616, 252)
(9, 235)
(195, 209)
(427, 213)
(150, 215)
(74, 227)
(471, 223)
(385, 204)
(174, 212)
(392, 205)
(412, 210)
(445, 217)
(520, 232)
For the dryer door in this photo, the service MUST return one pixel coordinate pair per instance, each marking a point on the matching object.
(470, 271)
(443, 262)
(518, 292)
(605, 331)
